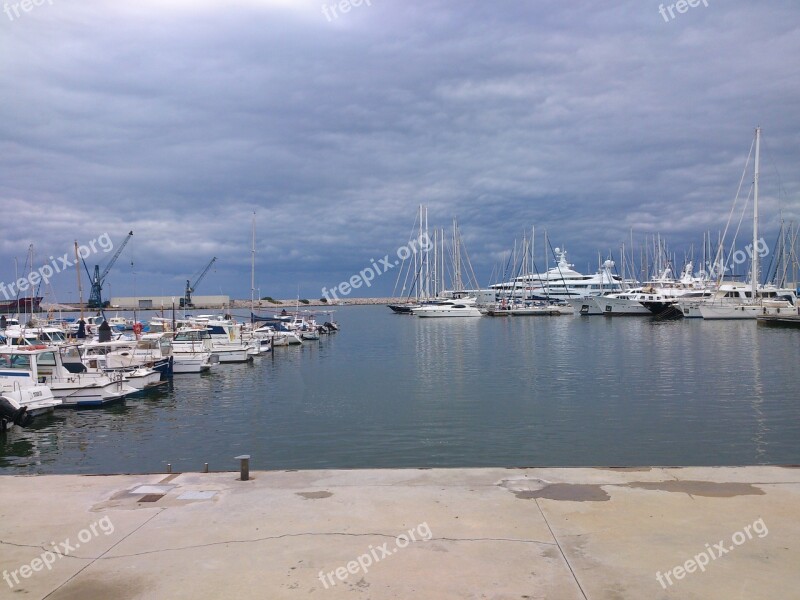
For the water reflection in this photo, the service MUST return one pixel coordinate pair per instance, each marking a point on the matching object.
(394, 390)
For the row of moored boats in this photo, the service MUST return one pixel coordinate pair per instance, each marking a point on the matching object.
(68, 364)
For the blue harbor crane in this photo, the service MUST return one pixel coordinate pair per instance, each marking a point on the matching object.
(186, 301)
(96, 295)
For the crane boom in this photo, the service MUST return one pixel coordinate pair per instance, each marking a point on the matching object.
(97, 280)
(203, 274)
(186, 301)
(116, 255)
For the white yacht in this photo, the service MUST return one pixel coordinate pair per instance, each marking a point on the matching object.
(464, 307)
(732, 296)
(625, 303)
(562, 282)
(656, 296)
(74, 389)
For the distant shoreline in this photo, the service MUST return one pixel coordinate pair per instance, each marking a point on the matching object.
(240, 304)
(294, 303)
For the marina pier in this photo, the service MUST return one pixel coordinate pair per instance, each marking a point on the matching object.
(589, 533)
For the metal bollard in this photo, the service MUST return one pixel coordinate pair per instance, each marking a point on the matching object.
(244, 466)
(169, 468)
(205, 469)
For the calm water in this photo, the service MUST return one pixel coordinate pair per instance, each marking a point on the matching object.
(397, 391)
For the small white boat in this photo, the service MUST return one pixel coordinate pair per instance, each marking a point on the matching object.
(226, 338)
(22, 397)
(533, 309)
(280, 338)
(94, 357)
(192, 350)
(152, 350)
(34, 336)
(74, 389)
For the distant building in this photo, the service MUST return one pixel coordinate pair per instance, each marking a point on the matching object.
(158, 302)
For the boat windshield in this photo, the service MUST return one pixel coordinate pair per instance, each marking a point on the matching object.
(46, 359)
(15, 361)
(71, 352)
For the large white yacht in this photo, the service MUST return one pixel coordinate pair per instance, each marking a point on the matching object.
(562, 282)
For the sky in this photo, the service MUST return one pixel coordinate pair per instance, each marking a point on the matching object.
(333, 122)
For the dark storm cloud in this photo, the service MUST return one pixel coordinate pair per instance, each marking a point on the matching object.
(180, 119)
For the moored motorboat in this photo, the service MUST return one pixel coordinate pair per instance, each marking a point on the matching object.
(75, 389)
(192, 351)
(22, 397)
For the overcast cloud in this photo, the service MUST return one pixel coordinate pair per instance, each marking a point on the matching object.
(177, 119)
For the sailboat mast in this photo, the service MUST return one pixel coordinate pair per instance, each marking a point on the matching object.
(253, 269)
(754, 275)
(441, 241)
(417, 270)
(427, 259)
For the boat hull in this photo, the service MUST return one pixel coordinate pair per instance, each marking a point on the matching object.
(621, 307)
(185, 362)
(440, 312)
(90, 396)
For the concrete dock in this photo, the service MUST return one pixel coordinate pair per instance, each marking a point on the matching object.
(642, 533)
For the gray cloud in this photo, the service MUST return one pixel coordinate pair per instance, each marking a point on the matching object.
(178, 120)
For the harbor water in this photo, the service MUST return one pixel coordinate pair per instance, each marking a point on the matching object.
(399, 391)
